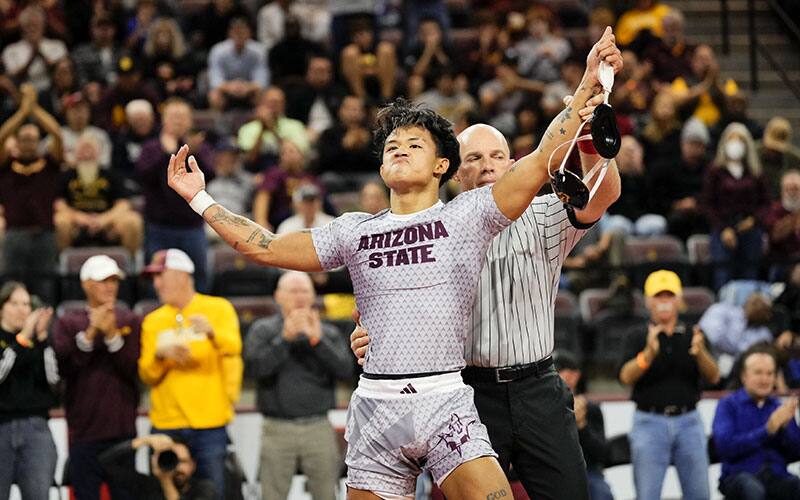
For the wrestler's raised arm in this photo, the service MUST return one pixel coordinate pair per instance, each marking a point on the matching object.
(289, 251)
(515, 190)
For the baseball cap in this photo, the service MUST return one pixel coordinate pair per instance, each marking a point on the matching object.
(171, 258)
(662, 281)
(306, 192)
(777, 134)
(100, 267)
(695, 130)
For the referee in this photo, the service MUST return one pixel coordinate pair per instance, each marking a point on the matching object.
(525, 405)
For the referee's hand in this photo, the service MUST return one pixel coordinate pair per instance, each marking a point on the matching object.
(359, 339)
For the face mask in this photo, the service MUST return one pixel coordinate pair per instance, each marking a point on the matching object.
(735, 149)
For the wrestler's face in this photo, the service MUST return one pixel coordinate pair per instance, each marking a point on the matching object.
(410, 159)
(484, 158)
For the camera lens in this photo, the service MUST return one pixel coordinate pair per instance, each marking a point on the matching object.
(167, 460)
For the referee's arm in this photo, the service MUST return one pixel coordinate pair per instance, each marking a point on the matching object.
(606, 194)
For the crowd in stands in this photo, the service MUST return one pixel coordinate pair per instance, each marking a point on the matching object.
(277, 101)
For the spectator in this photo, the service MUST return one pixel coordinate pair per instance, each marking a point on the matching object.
(789, 299)
(369, 68)
(307, 204)
(777, 154)
(28, 188)
(529, 128)
(169, 221)
(129, 86)
(372, 198)
(93, 206)
(345, 150)
(139, 129)
(645, 15)
(314, 21)
(633, 90)
(210, 25)
(64, 82)
(273, 201)
(591, 428)
(552, 101)
(237, 68)
(260, 138)
(78, 113)
(167, 62)
(296, 360)
(587, 265)
(629, 213)
(315, 99)
(289, 58)
(191, 359)
(755, 435)
(96, 61)
(345, 15)
(172, 469)
(675, 187)
(501, 96)
(734, 109)
(661, 136)
(138, 25)
(28, 60)
(665, 365)
(28, 373)
(702, 94)
(486, 51)
(445, 98)
(734, 197)
(542, 51)
(428, 57)
(231, 185)
(731, 329)
(670, 57)
(97, 349)
(782, 224)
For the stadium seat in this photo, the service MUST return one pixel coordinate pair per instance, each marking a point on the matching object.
(233, 275)
(592, 301)
(249, 309)
(698, 250)
(646, 255)
(697, 300)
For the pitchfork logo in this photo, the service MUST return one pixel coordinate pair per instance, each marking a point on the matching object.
(457, 435)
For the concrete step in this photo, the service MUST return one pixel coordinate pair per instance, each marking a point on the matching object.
(700, 7)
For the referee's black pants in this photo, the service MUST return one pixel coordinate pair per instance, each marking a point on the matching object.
(531, 423)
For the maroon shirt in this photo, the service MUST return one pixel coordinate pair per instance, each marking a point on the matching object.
(102, 392)
(789, 247)
(162, 204)
(28, 190)
(281, 184)
(727, 200)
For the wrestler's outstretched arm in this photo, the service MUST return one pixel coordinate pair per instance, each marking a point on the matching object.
(289, 251)
(514, 191)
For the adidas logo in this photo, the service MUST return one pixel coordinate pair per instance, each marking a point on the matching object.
(409, 389)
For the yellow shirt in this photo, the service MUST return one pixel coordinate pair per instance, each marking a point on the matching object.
(635, 20)
(706, 111)
(200, 396)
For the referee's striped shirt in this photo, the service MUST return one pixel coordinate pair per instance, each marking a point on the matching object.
(512, 317)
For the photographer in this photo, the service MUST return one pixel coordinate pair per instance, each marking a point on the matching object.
(171, 470)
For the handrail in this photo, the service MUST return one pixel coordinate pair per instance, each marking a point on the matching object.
(751, 31)
(724, 27)
(788, 23)
(781, 71)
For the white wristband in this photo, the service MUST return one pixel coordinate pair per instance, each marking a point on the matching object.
(201, 202)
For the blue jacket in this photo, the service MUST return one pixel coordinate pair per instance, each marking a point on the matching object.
(741, 438)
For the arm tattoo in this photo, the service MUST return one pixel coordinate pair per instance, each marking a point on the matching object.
(226, 217)
(261, 238)
(497, 495)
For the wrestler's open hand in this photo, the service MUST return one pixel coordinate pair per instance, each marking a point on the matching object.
(186, 183)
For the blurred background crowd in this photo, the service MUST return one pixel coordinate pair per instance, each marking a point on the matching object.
(276, 100)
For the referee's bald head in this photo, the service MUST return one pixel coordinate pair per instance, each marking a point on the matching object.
(485, 156)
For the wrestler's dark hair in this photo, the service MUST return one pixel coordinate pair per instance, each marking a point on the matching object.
(403, 114)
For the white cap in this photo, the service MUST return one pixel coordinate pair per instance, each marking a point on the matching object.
(172, 258)
(100, 267)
